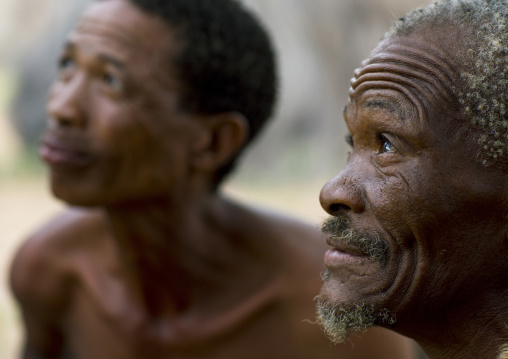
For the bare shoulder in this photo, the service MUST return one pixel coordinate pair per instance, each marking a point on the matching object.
(297, 248)
(290, 234)
(41, 267)
(42, 278)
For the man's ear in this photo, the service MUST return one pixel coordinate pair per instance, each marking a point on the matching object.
(224, 136)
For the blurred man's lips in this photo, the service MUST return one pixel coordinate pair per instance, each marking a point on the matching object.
(59, 154)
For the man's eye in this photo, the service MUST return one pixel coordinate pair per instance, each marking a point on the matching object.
(112, 81)
(386, 146)
(349, 140)
(65, 62)
(66, 68)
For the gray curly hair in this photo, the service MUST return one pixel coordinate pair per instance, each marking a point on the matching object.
(483, 96)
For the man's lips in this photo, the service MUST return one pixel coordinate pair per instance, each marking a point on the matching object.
(63, 153)
(342, 246)
(342, 254)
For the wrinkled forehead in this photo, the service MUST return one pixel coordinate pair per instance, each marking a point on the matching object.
(417, 69)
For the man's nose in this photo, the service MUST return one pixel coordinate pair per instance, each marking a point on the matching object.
(342, 194)
(65, 103)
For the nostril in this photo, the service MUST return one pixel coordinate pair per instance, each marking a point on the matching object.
(342, 194)
(336, 208)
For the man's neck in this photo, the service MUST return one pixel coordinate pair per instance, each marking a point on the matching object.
(182, 253)
(479, 333)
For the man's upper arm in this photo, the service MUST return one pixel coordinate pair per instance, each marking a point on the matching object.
(40, 286)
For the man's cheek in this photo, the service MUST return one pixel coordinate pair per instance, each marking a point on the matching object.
(388, 195)
(392, 204)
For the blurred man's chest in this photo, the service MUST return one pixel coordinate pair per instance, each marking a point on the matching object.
(104, 321)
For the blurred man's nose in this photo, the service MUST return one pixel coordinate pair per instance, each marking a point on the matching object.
(342, 193)
(66, 103)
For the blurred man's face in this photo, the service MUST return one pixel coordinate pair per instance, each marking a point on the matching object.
(115, 131)
(416, 220)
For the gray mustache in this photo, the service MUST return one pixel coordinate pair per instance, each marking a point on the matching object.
(339, 229)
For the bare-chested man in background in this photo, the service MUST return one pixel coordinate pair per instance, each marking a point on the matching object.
(153, 103)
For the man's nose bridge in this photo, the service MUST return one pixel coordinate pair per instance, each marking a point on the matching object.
(347, 179)
(344, 191)
(67, 98)
(349, 175)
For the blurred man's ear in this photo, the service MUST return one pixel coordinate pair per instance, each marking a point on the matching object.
(226, 134)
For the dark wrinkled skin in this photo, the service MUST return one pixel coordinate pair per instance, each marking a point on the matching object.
(412, 180)
(151, 262)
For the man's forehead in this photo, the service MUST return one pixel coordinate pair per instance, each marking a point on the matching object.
(123, 22)
(383, 103)
(425, 54)
(413, 70)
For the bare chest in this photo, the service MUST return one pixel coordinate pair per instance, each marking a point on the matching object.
(104, 321)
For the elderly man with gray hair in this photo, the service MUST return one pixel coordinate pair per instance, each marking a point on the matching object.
(419, 225)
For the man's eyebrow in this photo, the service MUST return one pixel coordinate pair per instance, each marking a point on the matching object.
(111, 60)
(381, 104)
(394, 108)
(69, 46)
(385, 104)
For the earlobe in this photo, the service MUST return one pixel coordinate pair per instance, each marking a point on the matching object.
(226, 135)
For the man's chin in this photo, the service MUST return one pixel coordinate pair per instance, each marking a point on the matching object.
(339, 320)
(346, 305)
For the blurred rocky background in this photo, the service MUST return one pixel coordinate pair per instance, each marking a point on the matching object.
(320, 43)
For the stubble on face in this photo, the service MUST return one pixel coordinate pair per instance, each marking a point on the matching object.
(339, 320)
(338, 229)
